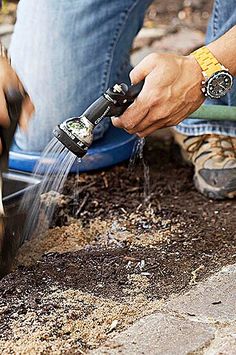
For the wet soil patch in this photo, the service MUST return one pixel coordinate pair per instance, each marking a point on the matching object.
(168, 267)
(119, 192)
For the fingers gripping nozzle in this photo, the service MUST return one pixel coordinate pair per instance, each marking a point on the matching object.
(76, 133)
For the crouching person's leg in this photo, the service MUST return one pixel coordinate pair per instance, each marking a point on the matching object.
(211, 145)
(67, 53)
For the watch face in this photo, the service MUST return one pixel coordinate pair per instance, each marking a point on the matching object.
(219, 84)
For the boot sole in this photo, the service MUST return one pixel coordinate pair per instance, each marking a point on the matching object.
(212, 192)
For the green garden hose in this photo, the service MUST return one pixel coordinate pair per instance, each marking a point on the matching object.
(215, 113)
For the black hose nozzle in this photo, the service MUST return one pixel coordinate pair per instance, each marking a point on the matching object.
(76, 134)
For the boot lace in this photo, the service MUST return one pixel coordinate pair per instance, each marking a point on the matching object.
(215, 141)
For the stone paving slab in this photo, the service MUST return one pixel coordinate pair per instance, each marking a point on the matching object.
(146, 36)
(183, 42)
(210, 301)
(224, 342)
(201, 321)
(160, 334)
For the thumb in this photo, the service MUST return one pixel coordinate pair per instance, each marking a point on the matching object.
(141, 70)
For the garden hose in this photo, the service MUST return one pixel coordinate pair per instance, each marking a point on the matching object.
(215, 113)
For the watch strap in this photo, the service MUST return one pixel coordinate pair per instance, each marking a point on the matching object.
(207, 61)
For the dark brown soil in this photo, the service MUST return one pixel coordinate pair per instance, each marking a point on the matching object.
(204, 241)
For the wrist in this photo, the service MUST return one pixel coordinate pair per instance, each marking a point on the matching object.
(218, 80)
(196, 69)
(224, 50)
(224, 60)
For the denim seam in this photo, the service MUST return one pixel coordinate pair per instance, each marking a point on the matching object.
(125, 63)
(201, 125)
(227, 131)
(111, 49)
(216, 17)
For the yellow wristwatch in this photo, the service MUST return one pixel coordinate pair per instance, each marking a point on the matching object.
(218, 80)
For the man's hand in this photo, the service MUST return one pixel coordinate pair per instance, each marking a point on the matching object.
(172, 90)
(9, 79)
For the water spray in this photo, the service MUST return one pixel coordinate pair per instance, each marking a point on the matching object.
(76, 133)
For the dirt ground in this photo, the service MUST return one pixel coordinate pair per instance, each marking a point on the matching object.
(119, 260)
(121, 242)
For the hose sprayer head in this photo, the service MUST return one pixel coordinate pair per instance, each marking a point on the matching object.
(76, 133)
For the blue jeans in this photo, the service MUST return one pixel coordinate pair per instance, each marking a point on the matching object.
(223, 18)
(68, 52)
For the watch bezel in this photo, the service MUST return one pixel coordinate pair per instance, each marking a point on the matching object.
(207, 90)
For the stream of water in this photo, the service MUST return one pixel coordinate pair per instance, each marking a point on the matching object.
(54, 166)
(138, 155)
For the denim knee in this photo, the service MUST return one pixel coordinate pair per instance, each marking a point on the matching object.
(67, 54)
(223, 18)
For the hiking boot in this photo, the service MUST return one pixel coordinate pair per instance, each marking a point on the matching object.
(214, 159)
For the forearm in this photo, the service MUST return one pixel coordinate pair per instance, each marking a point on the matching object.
(173, 87)
(224, 49)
